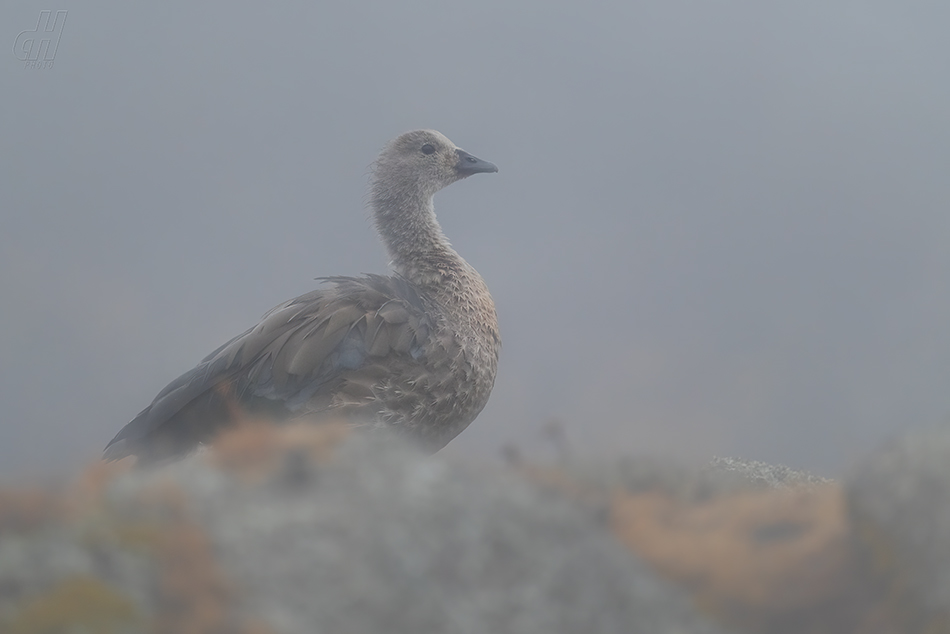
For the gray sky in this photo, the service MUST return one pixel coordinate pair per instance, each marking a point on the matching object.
(718, 228)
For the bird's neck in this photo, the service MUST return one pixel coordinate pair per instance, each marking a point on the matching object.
(418, 249)
(421, 254)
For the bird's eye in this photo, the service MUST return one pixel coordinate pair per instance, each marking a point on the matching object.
(428, 149)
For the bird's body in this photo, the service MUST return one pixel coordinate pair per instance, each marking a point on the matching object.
(415, 352)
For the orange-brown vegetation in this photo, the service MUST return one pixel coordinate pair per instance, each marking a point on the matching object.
(775, 561)
(29, 509)
(254, 449)
(771, 561)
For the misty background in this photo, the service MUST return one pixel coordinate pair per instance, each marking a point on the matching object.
(718, 227)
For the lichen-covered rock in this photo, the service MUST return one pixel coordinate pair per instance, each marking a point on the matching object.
(764, 474)
(308, 530)
(56, 574)
(280, 530)
(380, 538)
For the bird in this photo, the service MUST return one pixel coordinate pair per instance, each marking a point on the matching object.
(414, 352)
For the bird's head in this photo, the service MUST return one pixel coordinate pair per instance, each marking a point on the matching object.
(426, 161)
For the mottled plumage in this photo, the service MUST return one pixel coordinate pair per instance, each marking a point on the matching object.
(416, 352)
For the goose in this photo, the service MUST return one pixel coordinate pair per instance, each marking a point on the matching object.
(415, 352)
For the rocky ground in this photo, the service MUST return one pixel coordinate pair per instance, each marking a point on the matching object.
(298, 529)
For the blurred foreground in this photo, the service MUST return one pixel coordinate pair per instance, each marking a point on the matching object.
(304, 529)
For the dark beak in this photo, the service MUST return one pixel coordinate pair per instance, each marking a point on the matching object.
(469, 164)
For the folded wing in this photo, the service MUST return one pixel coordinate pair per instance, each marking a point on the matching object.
(323, 352)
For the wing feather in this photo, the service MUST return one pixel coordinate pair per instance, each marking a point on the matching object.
(329, 346)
